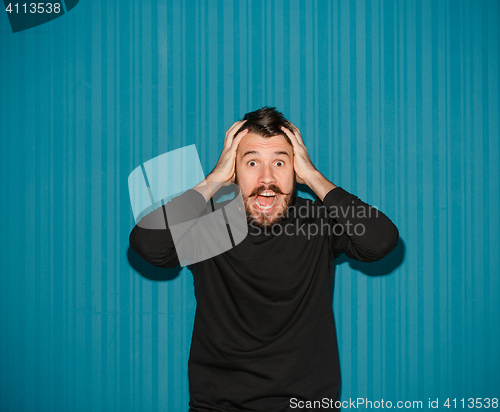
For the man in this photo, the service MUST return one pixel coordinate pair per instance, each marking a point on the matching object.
(264, 333)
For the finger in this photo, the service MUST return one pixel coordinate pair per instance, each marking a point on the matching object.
(292, 137)
(228, 132)
(295, 130)
(234, 147)
(298, 136)
(237, 139)
(236, 125)
(231, 131)
(236, 135)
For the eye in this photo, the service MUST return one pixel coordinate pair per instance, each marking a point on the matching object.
(280, 163)
(252, 163)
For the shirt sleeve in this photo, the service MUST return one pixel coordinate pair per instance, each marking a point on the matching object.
(151, 237)
(360, 231)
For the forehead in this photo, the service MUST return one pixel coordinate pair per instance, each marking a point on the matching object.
(263, 145)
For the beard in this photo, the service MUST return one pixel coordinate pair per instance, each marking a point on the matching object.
(264, 220)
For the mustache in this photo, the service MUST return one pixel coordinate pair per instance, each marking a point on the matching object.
(260, 189)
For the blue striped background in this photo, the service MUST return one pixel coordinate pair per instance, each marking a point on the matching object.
(398, 102)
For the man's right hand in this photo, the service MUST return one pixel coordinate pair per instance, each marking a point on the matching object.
(224, 171)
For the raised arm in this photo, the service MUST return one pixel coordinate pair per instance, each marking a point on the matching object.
(152, 238)
(361, 231)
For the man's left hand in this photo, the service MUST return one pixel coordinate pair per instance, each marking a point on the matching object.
(302, 164)
(305, 171)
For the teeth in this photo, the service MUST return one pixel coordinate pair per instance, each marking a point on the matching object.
(265, 207)
(267, 194)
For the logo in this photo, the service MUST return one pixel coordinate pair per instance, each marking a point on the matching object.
(25, 15)
(160, 197)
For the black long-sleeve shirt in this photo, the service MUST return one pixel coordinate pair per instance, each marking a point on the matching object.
(264, 330)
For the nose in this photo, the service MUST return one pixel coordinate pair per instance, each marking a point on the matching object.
(267, 176)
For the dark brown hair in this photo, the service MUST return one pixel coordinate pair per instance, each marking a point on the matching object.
(266, 122)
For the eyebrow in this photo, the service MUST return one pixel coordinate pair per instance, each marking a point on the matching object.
(279, 152)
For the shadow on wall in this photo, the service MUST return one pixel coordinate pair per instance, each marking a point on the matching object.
(381, 267)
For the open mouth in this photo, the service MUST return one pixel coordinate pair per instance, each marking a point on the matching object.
(266, 200)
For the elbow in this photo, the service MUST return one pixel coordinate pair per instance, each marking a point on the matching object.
(152, 251)
(132, 241)
(164, 259)
(389, 243)
(385, 245)
(137, 246)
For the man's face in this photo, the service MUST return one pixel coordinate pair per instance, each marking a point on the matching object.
(265, 175)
